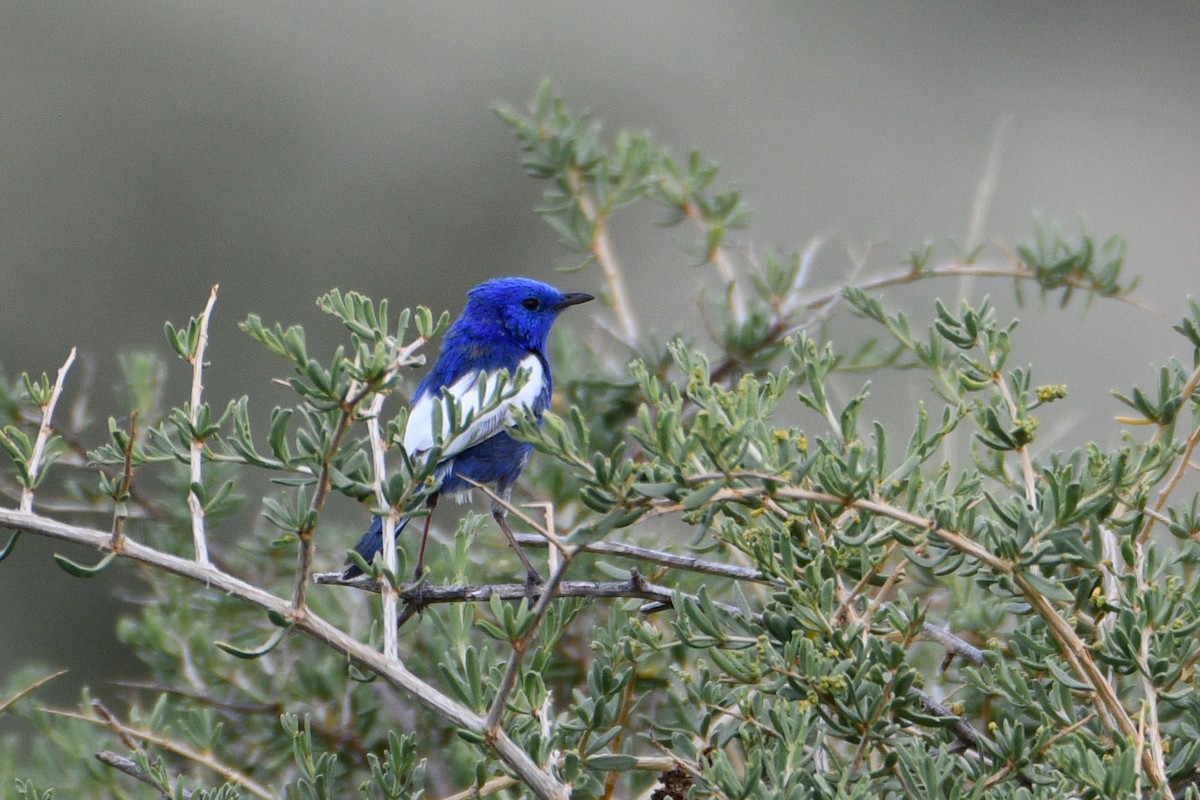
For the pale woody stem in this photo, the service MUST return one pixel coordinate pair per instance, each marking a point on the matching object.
(199, 537)
(391, 647)
(601, 248)
(720, 259)
(43, 436)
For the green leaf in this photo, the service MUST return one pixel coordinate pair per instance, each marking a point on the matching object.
(1067, 679)
(701, 496)
(8, 548)
(662, 489)
(612, 762)
(270, 645)
(1051, 590)
(278, 620)
(80, 571)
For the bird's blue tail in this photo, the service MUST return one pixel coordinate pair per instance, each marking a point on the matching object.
(370, 544)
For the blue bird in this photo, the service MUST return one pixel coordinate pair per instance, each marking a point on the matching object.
(503, 327)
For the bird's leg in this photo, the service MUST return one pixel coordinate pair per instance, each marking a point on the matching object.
(430, 504)
(419, 572)
(532, 578)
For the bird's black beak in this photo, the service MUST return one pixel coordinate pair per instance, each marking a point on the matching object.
(572, 299)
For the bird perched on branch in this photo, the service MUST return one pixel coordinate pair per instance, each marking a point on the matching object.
(502, 329)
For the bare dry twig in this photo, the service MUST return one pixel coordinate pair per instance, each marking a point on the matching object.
(30, 689)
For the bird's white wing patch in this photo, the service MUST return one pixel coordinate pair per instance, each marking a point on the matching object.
(483, 398)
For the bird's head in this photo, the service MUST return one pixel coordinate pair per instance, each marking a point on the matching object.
(519, 307)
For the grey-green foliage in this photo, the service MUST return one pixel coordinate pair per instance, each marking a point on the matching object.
(1069, 572)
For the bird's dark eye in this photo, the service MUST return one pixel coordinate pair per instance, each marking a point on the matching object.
(531, 303)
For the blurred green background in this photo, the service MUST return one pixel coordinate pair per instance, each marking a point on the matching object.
(150, 150)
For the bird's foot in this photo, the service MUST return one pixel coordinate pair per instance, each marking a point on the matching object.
(416, 595)
(533, 586)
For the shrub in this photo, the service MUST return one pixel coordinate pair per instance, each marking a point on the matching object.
(756, 590)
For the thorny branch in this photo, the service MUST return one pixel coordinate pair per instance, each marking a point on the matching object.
(788, 318)
(719, 258)
(392, 671)
(43, 435)
(636, 587)
(304, 557)
(355, 393)
(1027, 473)
(509, 680)
(1153, 756)
(606, 257)
(196, 447)
(123, 488)
(636, 553)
